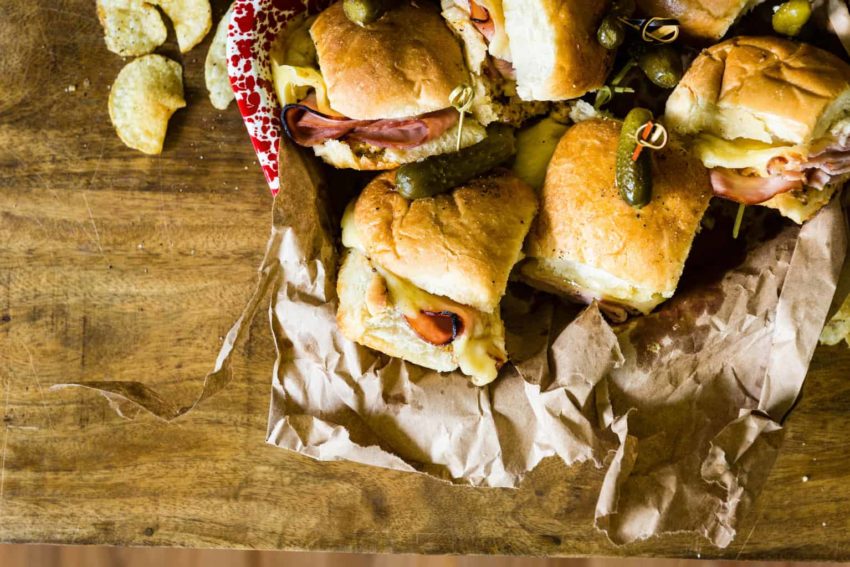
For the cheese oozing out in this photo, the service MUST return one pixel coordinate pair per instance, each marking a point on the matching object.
(479, 348)
(742, 153)
(295, 69)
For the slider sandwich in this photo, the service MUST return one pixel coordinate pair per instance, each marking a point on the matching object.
(422, 279)
(704, 20)
(771, 119)
(529, 50)
(589, 244)
(376, 96)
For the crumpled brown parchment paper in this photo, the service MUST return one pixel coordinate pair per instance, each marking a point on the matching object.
(683, 407)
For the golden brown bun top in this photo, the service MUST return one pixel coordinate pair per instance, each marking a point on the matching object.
(584, 220)
(461, 245)
(761, 88)
(405, 64)
(700, 19)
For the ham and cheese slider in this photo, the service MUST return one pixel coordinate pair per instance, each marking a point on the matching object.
(771, 118)
(422, 279)
(588, 244)
(540, 50)
(372, 97)
(700, 19)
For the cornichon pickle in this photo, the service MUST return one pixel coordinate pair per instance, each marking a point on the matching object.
(790, 17)
(364, 12)
(634, 177)
(611, 33)
(662, 65)
(438, 174)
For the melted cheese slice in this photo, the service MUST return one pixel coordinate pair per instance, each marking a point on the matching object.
(293, 84)
(741, 153)
(294, 69)
(480, 347)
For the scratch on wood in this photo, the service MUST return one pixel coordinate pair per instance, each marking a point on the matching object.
(94, 226)
(3, 468)
(747, 539)
(162, 216)
(34, 375)
(83, 342)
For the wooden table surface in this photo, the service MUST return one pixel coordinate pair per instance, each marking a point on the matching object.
(115, 265)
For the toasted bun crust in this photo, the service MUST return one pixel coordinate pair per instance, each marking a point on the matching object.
(405, 64)
(585, 225)
(761, 88)
(362, 318)
(554, 47)
(699, 19)
(461, 245)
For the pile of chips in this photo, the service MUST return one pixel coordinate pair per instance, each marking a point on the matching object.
(148, 90)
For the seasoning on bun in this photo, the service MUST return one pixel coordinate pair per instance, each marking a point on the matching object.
(589, 244)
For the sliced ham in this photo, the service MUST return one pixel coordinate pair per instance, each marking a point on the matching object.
(749, 190)
(504, 68)
(309, 127)
(820, 169)
(835, 162)
(481, 20)
(436, 327)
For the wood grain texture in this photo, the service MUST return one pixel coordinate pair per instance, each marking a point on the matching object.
(114, 265)
(99, 556)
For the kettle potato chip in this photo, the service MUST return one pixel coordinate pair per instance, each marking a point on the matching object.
(192, 20)
(144, 95)
(215, 68)
(131, 27)
(135, 27)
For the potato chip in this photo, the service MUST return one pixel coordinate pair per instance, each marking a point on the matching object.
(215, 69)
(131, 27)
(144, 95)
(192, 20)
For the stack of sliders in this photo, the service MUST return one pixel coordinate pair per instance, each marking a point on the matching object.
(521, 51)
(771, 119)
(422, 279)
(432, 243)
(589, 244)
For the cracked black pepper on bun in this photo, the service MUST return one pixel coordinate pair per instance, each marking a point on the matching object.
(588, 244)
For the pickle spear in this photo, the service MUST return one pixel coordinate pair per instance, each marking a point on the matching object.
(633, 177)
(438, 174)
